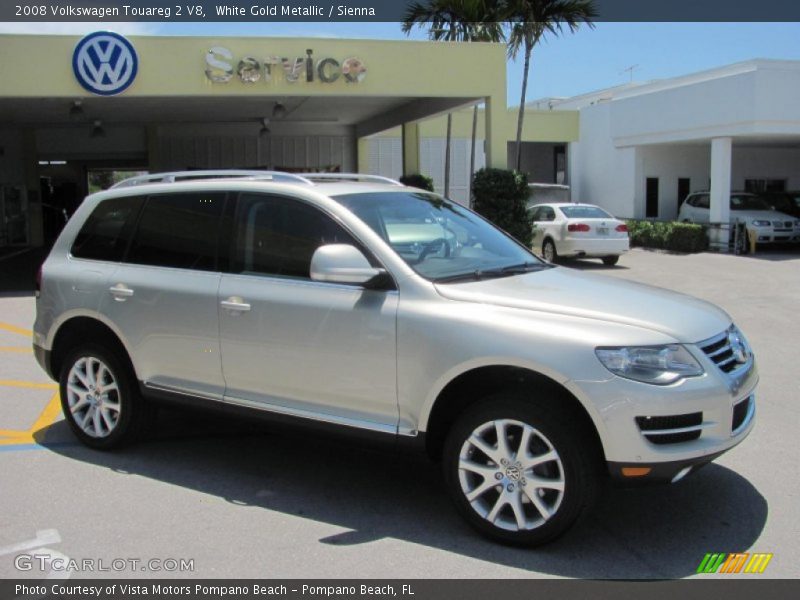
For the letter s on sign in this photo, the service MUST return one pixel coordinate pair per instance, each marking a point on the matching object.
(217, 69)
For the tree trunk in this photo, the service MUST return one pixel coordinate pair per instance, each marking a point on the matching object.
(447, 156)
(521, 115)
(472, 152)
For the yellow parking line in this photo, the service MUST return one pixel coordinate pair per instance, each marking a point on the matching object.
(15, 329)
(16, 349)
(11, 437)
(48, 415)
(28, 384)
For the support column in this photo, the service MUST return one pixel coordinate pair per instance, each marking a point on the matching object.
(410, 137)
(30, 157)
(496, 142)
(362, 155)
(720, 193)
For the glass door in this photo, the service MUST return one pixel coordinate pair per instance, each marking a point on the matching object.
(13, 216)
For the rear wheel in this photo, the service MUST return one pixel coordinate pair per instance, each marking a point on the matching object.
(549, 251)
(100, 401)
(610, 260)
(519, 472)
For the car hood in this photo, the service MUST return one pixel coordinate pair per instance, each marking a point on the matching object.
(568, 292)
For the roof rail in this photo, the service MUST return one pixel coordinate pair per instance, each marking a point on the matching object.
(176, 176)
(350, 177)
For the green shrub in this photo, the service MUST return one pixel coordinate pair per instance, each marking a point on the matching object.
(501, 197)
(418, 180)
(673, 236)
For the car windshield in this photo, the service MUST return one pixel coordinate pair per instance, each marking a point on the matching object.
(440, 240)
(747, 202)
(585, 212)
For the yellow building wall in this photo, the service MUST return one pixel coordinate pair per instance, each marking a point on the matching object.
(538, 125)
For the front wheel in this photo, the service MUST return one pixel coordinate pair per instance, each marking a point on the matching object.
(100, 401)
(519, 472)
(549, 251)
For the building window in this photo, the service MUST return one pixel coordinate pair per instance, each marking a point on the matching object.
(560, 164)
(651, 198)
(684, 188)
(757, 186)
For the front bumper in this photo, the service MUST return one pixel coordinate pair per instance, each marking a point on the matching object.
(655, 433)
(628, 474)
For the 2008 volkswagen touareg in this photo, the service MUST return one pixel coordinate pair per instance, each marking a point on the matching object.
(368, 306)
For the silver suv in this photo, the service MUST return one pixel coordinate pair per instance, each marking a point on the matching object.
(369, 307)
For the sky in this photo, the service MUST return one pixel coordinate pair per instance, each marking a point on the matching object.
(568, 65)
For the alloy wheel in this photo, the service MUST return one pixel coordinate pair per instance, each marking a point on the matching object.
(511, 475)
(93, 397)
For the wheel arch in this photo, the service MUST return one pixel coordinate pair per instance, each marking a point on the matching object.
(84, 328)
(474, 384)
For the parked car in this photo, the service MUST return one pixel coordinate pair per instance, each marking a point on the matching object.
(785, 202)
(770, 225)
(578, 230)
(300, 299)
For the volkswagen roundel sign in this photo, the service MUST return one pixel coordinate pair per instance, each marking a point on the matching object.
(105, 63)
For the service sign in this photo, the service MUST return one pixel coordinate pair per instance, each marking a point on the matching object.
(223, 67)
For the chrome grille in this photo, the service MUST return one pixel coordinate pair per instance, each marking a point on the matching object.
(719, 350)
(722, 354)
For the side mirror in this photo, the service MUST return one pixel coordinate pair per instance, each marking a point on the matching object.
(343, 263)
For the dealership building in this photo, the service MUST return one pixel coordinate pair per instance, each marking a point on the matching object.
(71, 105)
(643, 147)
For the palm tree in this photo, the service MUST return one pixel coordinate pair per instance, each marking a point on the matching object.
(528, 21)
(456, 21)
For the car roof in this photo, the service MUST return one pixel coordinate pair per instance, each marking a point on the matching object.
(563, 204)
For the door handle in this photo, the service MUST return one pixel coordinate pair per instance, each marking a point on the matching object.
(235, 304)
(120, 292)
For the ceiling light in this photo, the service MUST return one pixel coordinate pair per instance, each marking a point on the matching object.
(278, 111)
(97, 130)
(76, 110)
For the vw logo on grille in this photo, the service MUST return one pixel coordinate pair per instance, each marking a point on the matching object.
(105, 63)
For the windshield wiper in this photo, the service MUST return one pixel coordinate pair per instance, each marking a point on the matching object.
(478, 274)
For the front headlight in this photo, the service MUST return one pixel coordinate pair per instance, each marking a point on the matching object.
(761, 223)
(659, 365)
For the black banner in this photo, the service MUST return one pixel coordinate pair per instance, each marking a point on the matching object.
(364, 10)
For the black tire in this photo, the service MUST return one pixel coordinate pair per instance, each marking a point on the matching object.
(134, 414)
(549, 249)
(610, 261)
(579, 468)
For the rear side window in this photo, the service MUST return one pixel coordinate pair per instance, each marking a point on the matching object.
(278, 236)
(106, 232)
(179, 231)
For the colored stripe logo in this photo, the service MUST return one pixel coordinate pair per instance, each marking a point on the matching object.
(734, 562)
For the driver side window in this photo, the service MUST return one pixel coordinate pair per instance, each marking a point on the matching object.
(277, 236)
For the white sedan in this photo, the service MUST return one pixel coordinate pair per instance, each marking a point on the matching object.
(578, 230)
